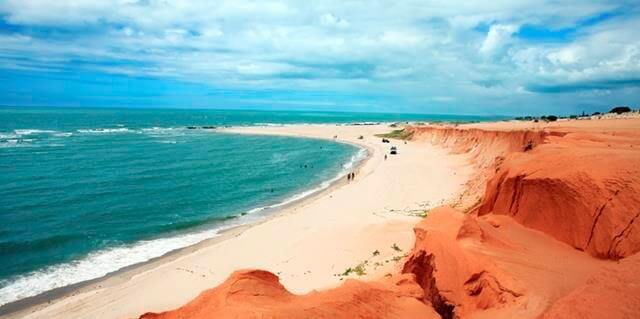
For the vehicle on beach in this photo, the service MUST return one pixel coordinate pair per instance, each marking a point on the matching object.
(393, 150)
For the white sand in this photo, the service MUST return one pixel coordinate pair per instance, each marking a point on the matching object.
(306, 245)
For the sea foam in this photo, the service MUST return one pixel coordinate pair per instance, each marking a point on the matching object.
(98, 264)
(104, 130)
(33, 131)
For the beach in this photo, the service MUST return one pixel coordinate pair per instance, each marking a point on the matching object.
(364, 224)
(546, 227)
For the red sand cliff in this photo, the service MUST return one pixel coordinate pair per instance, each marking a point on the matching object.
(259, 294)
(582, 189)
(555, 234)
(487, 148)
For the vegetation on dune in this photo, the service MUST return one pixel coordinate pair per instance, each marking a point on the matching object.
(397, 134)
(552, 118)
(620, 109)
(361, 268)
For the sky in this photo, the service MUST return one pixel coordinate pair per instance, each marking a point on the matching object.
(513, 57)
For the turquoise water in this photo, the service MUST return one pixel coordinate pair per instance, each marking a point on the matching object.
(85, 192)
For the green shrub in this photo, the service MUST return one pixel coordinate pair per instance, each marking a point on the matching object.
(397, 134)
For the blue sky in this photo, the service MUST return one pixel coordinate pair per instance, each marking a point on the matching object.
(461, 57)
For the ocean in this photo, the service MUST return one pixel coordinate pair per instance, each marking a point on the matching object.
(87, 191)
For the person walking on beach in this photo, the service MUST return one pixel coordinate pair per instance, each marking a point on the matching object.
(385, 157)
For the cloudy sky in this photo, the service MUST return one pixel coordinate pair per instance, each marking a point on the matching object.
(463, 57)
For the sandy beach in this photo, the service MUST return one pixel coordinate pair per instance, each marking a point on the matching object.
(552, 232)
(366, 224)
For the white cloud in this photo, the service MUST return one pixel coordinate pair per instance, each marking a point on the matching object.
(417, 50)
(64, 12)
(566, 56)
(497, 37)
(330, 20)
(606, 53)
(401, 38)
(212, 32)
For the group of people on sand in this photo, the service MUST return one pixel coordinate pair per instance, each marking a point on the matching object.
(351, 176)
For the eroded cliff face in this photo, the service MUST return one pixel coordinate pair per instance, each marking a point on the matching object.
(484, 146)
(579, 187)
(456, 280)
(582, 189)
(486, 150)
(554, 229)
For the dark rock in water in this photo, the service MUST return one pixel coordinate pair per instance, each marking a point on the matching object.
(192, 127)
(208, 127)
(620, 109)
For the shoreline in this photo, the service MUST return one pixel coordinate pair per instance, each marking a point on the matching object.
(342, 221)
(44, 299)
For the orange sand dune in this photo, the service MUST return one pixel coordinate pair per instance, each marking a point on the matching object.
(614, 292)
(493, 267)
(583, 189)
(259, 294)
(552, 230)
